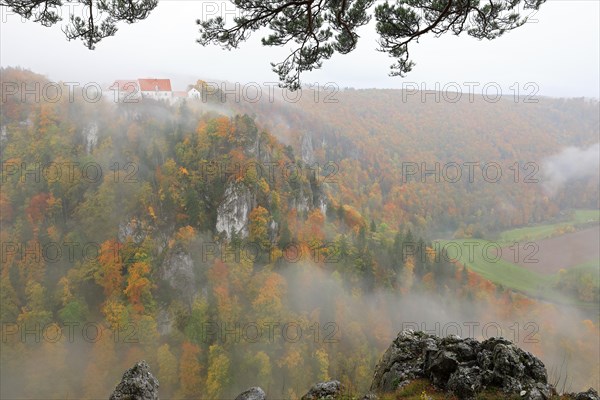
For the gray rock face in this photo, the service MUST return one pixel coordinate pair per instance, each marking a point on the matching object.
(324, 390)
(254, 393)
(165, 321)
(307, 149)
(466, 382)
(132, 229)
(259, 149)
(178, 270)
(232, 213)
(301, 201)
(90, 133)
(137, 384)
(590, 394)
(273, 230)
(322, 204)
(463, 366)
(403, 361)
(440, 365)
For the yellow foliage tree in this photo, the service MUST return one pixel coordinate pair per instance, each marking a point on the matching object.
(167, 369)
(218, 372)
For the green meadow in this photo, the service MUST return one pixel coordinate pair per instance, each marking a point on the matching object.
(483, 257)
(537, 232)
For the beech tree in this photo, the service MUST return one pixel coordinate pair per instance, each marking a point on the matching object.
(139, 285)
(109, 274)
(218, 372)
(317, 28)
(190, 371)
(167, 368)
(258, 230)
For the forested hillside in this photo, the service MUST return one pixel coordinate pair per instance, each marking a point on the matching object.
(386, 141)
(232, 245)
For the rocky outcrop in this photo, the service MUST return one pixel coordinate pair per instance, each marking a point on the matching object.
(324, 390)
(590, 394)
(308, 198)
(462, 366)
(322, 204)
(137, 384)
(177, 270)
(307, 152)
(301, 202)
(254, 393)
(90, 133)
(165, 321)
(132, 229)
(273, 230)
(232, 213)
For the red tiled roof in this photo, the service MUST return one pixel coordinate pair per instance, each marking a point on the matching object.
(151, 85)
(179, 94)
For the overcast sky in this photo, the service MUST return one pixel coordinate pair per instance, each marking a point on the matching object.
(558, 51)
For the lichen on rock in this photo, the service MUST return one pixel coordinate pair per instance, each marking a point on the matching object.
(462, 366)
(254, 393)
(138, 383)
(233, 212)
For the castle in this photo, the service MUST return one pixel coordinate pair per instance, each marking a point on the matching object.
(132, 90)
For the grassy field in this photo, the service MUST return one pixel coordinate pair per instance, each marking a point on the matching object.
(584, 216)
(482, 257)
(537, 232)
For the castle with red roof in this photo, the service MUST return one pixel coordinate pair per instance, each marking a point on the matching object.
(132, 90)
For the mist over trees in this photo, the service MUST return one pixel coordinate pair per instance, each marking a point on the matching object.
(347, 258)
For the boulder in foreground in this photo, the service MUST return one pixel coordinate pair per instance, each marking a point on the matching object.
(590, 394)
(464, 367)
(138, 383)
(254, 393)
(324, 390)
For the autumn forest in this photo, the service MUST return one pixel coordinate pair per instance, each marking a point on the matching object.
(232, 243)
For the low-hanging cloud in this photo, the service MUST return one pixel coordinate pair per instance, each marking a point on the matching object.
(572, 163)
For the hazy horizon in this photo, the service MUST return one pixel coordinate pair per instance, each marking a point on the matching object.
(560, 62)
